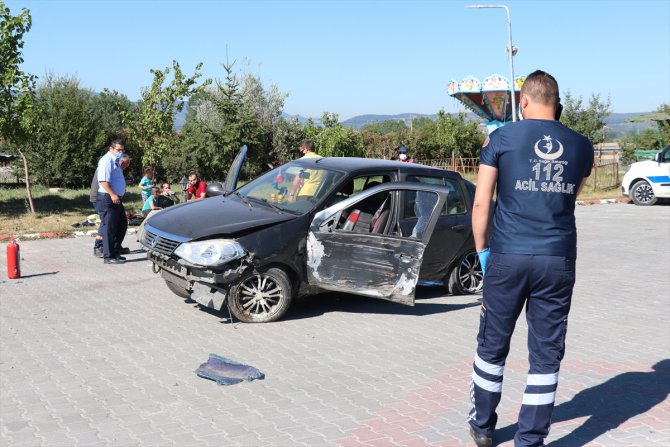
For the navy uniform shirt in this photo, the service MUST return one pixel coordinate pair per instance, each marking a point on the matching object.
(541, 164)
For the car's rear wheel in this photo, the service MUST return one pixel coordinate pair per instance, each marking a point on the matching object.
(642, 194)
(261, 297)
(177, 290)
(466, 277)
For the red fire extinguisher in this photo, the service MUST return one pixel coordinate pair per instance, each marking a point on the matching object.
(13, 260)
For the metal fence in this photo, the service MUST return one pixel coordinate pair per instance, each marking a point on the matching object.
(605, 173)
(457, 164)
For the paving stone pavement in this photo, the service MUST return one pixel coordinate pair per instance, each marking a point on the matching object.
(104, 355)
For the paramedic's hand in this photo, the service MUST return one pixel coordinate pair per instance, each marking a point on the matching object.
(483, 258)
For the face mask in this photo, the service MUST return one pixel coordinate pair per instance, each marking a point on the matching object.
(403, 156)
(118, 155)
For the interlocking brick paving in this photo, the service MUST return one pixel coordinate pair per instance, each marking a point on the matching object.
(99, 355)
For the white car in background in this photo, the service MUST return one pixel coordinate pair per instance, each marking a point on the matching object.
(647, 181)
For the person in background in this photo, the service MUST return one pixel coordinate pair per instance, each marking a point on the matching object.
(403, 155)
(97, 246)
(109, 201)
(167, 197)
(147, 182)
(197, 189)
(527, 248)
(151, 204)
(306, 183)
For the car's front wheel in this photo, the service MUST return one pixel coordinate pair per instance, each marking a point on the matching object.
(642, 194)
(467, 277)
(261, 297)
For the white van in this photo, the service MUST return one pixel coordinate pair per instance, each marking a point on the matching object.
(647, 181)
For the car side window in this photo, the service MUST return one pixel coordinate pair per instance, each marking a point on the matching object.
(356, 185)
(371, 215)
(375, 214)
(666, 157)
(455, 201)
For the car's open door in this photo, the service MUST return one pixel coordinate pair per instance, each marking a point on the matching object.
(357, 245)
(234, 171)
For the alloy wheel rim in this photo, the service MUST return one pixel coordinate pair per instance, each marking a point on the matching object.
(260, 296)
(470, 274)
(644, 194)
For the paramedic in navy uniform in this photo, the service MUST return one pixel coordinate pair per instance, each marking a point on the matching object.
(538, 167)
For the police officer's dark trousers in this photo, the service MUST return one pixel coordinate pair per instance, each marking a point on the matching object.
(544, 284)
(113, 225)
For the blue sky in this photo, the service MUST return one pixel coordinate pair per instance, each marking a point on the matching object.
(357, 57)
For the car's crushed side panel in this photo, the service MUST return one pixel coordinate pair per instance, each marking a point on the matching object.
(367, 265)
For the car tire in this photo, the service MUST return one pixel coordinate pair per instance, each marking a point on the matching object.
(261, 297)
(466, 277)
(177, 290)
(642, 194)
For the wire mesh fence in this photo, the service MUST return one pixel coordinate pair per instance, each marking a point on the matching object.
(604, 175)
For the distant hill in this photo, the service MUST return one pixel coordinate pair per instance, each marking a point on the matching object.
(616, 122)
(361, 120)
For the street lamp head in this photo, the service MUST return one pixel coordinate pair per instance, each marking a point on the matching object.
(183, 183)
(514, 50)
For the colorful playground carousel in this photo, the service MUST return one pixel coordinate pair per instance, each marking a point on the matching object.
(490, 99)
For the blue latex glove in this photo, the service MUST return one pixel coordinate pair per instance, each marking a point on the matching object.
(483, 258)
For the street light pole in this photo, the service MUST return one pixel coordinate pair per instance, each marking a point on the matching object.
(511, 51)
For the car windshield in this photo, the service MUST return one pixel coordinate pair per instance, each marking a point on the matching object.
(293, 187)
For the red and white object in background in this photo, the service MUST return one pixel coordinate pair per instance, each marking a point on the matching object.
(13, 260)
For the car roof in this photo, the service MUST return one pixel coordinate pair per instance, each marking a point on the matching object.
(349, 164)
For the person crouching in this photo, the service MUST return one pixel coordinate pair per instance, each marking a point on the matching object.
(151, 204)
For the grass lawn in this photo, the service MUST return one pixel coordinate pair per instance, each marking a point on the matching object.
(56, 212)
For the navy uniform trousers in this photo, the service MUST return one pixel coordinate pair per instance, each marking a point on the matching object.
(544, 284)
(113, 225)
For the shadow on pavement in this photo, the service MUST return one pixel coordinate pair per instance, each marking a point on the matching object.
(320, 304)
(40, 274)
(607, 405)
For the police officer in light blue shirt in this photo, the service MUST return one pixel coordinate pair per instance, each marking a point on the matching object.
(109, 203)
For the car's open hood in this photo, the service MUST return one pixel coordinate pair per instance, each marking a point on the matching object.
(215, 216)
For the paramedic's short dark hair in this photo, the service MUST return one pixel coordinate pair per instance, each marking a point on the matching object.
(541, 87)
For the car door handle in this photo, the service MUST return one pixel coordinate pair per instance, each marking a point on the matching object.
(458, 227)
(404, 258)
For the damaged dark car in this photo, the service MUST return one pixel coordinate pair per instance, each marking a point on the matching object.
(368, 227)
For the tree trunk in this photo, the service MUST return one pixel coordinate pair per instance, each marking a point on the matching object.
(30, 194)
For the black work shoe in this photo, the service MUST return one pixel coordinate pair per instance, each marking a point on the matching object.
(121, 258)
(481, 440)
(124, 250)
(97, 252)
(115, 261)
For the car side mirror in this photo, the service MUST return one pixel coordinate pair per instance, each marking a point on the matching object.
(214, 189)
(657, 157)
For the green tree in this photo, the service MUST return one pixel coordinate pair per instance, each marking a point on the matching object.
(647, 139)
(286, 138)
(112, 112)
(68, 139)
(385, 127)
(335, 140)
(223, 123)
(17, 89)
(664, 125)
(448, 136)
(587, 120)
(153, 130)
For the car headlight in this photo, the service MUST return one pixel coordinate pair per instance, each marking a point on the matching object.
(210, 253)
